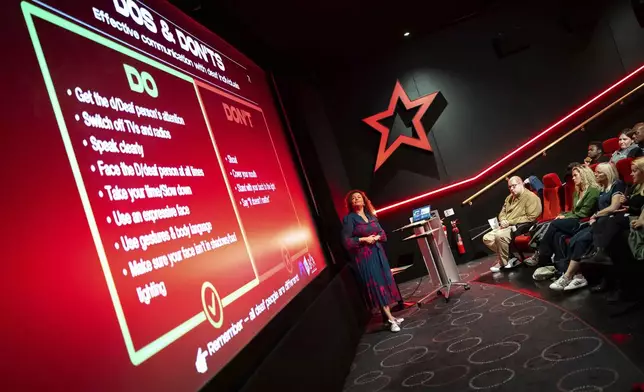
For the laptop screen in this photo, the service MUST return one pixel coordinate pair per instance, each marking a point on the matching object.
(421, 213)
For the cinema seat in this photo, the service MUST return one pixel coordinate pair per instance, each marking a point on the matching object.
(522, 242)
(551, 202)
(610, 146)
(569, 190)
(624, 170)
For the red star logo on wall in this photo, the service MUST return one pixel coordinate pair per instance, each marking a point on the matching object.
(421, 142)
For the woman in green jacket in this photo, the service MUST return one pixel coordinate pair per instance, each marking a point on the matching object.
(568, 223)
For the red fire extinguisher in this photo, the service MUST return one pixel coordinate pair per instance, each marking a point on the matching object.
(459, 240)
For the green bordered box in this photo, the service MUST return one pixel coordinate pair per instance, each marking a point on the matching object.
(136, 356)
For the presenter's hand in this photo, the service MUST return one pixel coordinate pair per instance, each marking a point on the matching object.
(376, 237)
(369, 240)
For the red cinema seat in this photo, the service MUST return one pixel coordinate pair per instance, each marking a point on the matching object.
(551, 202)
(610, 146)
(624, 170)
(522, 242)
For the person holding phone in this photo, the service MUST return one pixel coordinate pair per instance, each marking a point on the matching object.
(363, 236)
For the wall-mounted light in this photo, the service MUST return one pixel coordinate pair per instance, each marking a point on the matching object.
(406, 34)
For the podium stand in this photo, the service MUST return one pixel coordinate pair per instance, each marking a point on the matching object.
(437, 255)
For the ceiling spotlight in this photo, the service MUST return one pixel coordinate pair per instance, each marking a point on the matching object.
(406, 34)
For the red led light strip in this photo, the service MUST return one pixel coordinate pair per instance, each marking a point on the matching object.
(511, 154)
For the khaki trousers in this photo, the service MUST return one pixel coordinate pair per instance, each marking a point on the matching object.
(499, 242)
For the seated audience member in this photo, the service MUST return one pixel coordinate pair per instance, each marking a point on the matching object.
(569, 168)
(595, 154)
(521, 206)
(609, 201)
(568, 223)
(638, 138)
(626, 145)
(605, 230)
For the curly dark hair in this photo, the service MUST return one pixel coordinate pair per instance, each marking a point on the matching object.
(367, 203)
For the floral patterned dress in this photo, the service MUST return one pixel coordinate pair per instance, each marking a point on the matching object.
(371, 260)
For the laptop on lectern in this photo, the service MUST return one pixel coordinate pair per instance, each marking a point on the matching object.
(422, 213)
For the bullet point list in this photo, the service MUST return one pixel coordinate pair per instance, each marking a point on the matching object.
(124, 272)
(100, 193)
(109, 220)
(93, 168)
(85, 143)
(77, 117)
(116, 245)
(69, 92)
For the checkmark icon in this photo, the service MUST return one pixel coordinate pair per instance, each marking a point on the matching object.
(213, 306)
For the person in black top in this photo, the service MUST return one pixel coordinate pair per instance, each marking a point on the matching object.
(605, 230)
(638, 138)
(595, 154)
(612, 190)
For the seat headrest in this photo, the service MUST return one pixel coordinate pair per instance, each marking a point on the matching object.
(551, 180)
(624, 170)
(610, 146)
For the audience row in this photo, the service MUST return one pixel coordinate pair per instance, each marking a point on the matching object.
(594, 232)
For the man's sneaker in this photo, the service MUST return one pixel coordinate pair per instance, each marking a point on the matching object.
(513, 262)
(496, 267)
(394, 326)
(578, 281)
(544, 273)
(399, 320)
(560, 283)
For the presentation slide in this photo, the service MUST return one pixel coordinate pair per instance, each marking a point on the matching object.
(153, 219)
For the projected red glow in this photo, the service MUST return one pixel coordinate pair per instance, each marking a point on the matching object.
(486, 171)
(156, 220)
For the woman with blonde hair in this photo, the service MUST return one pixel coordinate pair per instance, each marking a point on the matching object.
(567, 224)
(609, 201)
(632, 202)
(363, 236)
(609, 234)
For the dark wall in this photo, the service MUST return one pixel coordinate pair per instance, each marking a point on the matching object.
(494, 104)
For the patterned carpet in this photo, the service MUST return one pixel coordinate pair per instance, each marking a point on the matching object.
(490, 338)
(416, 289)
